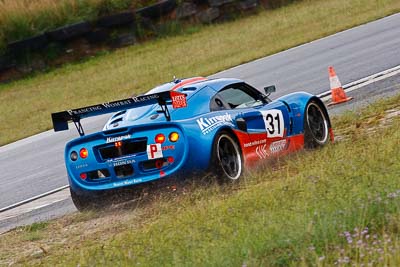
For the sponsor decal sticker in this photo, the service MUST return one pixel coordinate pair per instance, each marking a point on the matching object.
(118, 138)
(128, 182)
(107, 105)
(171, 147)
(138, 99)
(274, 148)
(84, 110)
(80, 166)
(274, 123)
(278, 146)
(154, 151)
(123, 162)
(111, 161)
(262, 152)
(255, 143)
(178, 100)
(207, 125)
(117, 103)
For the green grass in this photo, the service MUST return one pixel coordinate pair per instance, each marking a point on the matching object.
(26, 105)
(330, 206)
(34, 231)
(21, 19)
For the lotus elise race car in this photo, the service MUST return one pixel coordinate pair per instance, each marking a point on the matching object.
(185, 126)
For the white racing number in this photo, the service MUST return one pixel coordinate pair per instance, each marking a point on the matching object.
(154, 151)
(274, 123)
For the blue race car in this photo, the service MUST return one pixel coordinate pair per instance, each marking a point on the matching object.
(187, 126)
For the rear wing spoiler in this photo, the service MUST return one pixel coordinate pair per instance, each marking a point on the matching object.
(61, 119)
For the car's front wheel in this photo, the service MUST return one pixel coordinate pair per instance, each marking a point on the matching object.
(316, 132)
(227, 158)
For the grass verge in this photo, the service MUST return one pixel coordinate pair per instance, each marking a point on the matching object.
(336, 206)
(21, 19)
(26, 105)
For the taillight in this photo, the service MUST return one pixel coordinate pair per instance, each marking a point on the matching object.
(83, 153)
(118, 144)
(160, 138)
(83, 176)
(73, 156)
(173, 137)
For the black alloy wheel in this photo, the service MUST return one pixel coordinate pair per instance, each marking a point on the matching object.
(316, 131)
(228, 158)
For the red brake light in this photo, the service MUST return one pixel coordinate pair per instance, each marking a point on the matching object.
(118, 144)
(83, 153)
(160, 138)
(83, 176)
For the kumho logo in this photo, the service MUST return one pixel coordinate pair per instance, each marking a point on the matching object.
(208, 124)
(118, 138)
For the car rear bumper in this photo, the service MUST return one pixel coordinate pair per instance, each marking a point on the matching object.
(125, 158)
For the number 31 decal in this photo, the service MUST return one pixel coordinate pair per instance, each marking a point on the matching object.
(274, 123)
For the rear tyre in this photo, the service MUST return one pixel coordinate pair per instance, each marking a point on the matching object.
(85, 203)
(316, 133)
(227, 160)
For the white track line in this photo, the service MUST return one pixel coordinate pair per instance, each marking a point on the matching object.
(364, 81)
(33, 198)
(35, 205)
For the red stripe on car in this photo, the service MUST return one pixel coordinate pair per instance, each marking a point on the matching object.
(188, 81)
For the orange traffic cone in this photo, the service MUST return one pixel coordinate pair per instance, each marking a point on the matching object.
(338, 94)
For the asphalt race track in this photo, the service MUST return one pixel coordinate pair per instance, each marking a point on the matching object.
(34, 165)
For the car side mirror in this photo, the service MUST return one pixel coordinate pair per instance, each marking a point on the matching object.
(269, 90)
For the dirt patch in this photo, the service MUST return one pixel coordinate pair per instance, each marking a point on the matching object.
(370, 124)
